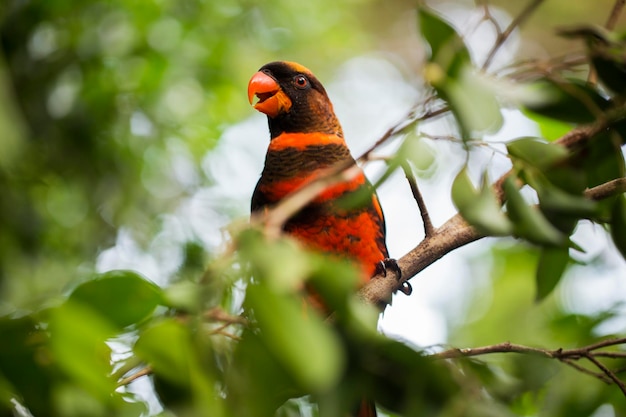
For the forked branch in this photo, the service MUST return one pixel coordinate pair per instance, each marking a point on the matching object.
(503, 36)
(570, 357)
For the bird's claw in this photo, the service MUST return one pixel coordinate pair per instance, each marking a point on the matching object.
(406, 288)
(390, 263)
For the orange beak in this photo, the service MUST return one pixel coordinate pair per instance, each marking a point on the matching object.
(272, 100)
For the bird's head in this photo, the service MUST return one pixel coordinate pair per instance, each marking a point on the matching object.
(293, 100)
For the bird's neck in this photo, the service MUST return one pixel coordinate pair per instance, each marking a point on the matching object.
(305, 141)
(315, 120)
(300, 155)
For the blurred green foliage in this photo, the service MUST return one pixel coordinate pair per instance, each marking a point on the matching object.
(99, 104)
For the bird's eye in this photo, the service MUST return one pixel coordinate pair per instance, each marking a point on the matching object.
(301, 81)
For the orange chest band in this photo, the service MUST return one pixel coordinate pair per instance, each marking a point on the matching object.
(301, 141)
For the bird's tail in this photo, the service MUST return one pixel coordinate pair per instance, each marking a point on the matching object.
(366, 409)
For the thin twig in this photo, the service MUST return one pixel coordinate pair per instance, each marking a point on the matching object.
(408, 121)
(429, 229)
(533, 69)
(505, 347)
(611, 355)
(599, 375)
(614, 16)
(142, 372)
(217, 314)
(127, 366)
(222, 332)
(607, 372)
(487, 16)
(602, 344)
(518, 21)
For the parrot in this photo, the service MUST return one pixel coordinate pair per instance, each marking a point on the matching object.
(306, 139)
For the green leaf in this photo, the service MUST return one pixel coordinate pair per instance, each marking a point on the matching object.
(7, 393)
(607, 51)
(554, 200)
(535, 152)
(182, 364)
(618, 224)
(450, 72)
(602, 159)
(478, 369)
(183, 295)
(567, 178)
(167, 347)
(467, 92)
(528, 222)
(334, 280)
(480, 208)
(305, 345)
(124, 297)
(562, 207)
(282, 264)
(550, 269)
(472, 102)
(619, 127)
(572, 101)
(74, 401)
(398, 377)
(418, 152)
(78, 336)
(610, 64)
(447, 49)
(551, 129)
(23, 373)
(257, 380)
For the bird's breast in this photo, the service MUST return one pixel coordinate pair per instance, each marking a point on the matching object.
(278, 188)
(295, 159)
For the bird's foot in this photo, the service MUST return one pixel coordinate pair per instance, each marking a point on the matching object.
(390, 263)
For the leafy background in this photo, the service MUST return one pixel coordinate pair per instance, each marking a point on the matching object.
(127, 143)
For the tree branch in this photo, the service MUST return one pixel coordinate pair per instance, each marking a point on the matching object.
(455, 232)
(614, 16)
(608, 189)
(218, 314)
(506, 347)
(408, 121)
(142, 372)
(599, 375)
(607, 372)
(567, 356)
(503, 36)
(488, 16)
(429, 229)
(452, 235)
